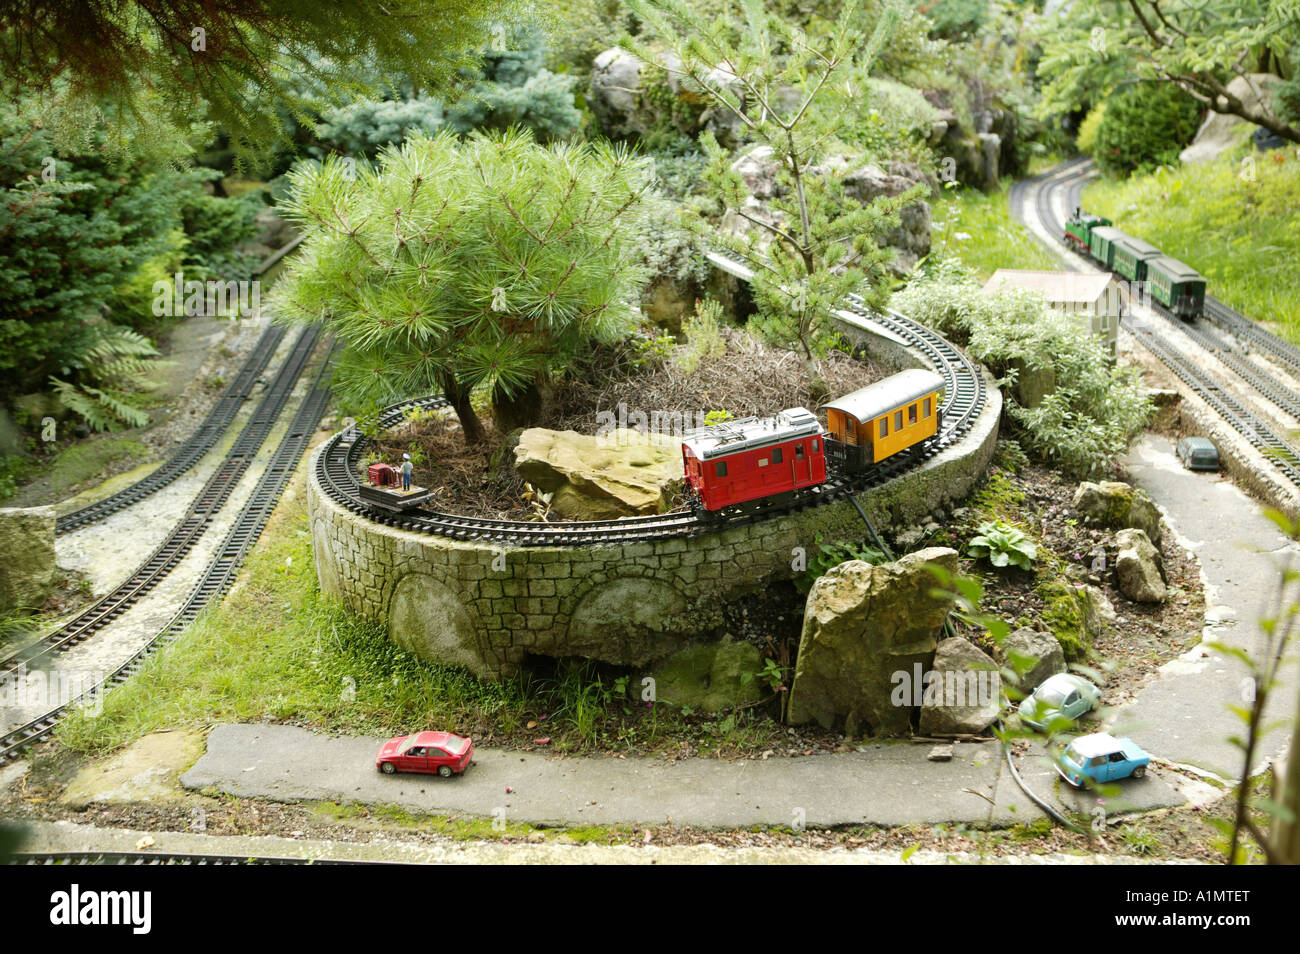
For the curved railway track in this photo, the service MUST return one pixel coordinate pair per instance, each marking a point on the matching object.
(166, 859)
(220, 571)
(1218, 340)
(336, 466)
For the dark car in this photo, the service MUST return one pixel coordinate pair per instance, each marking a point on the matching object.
(1198, 453)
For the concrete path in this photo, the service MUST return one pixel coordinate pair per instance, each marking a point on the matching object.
(1183, 715)
(884, 785)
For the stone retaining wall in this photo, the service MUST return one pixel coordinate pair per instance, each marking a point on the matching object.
(485, 608)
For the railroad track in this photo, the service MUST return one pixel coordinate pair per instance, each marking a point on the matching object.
(221, 570)
(191, 528)
(336, 465)
(165, 859)
(198, 444)
(1278, 449)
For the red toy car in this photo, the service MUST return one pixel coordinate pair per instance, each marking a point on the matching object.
(430, 752)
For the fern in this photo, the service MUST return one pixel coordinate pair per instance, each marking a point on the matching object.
(114, 361)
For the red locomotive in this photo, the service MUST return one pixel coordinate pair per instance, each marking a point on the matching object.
(758, 461)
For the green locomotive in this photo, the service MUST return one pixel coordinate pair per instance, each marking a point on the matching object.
(1174, 284)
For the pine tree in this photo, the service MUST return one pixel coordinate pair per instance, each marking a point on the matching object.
(455, 267)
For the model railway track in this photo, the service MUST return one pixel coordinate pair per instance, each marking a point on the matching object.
(157, 859)
(198, 444)
(336, 466)
(220, 572)
(1284, 456)
(191, 527)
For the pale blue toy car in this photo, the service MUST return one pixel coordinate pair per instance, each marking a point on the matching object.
(1101, 758)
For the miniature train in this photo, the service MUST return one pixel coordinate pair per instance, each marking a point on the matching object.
(757, 462)
(1174, 284)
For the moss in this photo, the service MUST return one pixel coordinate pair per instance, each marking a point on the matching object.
(1064, 615)
(999, 497)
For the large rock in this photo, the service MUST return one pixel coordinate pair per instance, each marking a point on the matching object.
(911, 238)
(863, 624)
(27, 570)
(759, 170)
(1138, 568)
(711, 677)
(1098, 613)
(616, 94)
(1220, 132)
(618, 474)
(1033, 655)
(1118, 506)
(963, 692)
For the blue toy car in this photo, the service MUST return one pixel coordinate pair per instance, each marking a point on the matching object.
(1101, 758)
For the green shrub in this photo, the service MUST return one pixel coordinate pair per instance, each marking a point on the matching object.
(368, 125)
(1003, 545)
(1144, 127)
(1286, 100)
(831, 555)
(1087, 139)
(1082, 425)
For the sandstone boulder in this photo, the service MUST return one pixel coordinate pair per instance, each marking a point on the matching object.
(1220, 132)
(1138, 567)
(711, 677)
(27, 572)
(1098, 613)
(963, 691)
(863, 624)
(1034, 655)
(616, 94)
(1118, 506)
(618, 474)
(759, 170)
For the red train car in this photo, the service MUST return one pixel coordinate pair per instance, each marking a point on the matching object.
(753, 459)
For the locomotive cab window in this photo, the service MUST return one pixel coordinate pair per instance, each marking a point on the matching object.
(817, 444)
(798, 452)
(777, 457)
(720, 468)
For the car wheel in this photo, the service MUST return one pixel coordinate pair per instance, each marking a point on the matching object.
(1140, 771)
(444, 771)
(388, 768)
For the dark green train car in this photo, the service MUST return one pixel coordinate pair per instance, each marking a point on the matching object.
(1078, 230)
(1131, 256)
(1101, 244)
(1177, 286)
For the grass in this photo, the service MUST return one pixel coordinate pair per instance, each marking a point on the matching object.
(1239, 225)
(977, 227)
(277, 650)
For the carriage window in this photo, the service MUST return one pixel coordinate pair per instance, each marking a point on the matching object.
(848, 426)
(884, 426)
(777, 456)
(925, 409)
(911, 414)
(898, 420)
(720, 468)
(798, 452)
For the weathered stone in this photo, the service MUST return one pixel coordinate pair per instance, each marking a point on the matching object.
(963, 691)
(1065, 613)
(911, 238)
(1118, 506)
(619, 474)
(711, 677)
(760, 171)
(425, 617)
(667, 301)
(1220, 132)
(863, 624)
(628, 621)
(1098, 613)
(28, 569)
(616, 93)
(1039, 654)
(1138, 568)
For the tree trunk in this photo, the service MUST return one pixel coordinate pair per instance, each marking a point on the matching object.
(527, 407)
(459, 398)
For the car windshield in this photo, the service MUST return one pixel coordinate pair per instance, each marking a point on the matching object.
(1073, 756)
(1052, 695)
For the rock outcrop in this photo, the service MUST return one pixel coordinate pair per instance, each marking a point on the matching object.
(711, 677)
(1033, 655)
(1220, 132)
(619, 474)
(963, 690)
(1138, 568)
(1118, 506)
(28, 570)
(864, 624)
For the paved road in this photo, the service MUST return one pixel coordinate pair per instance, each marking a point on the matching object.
(1183, 716)
(880, 784)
